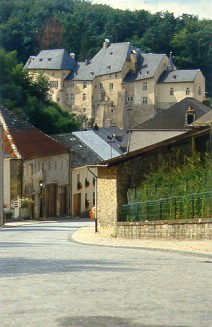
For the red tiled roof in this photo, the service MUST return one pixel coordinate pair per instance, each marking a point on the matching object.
(32, 143)
(22, 140)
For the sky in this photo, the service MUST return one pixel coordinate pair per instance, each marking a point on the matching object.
(200, 8)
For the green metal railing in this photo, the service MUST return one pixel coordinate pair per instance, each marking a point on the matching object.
(196, 205)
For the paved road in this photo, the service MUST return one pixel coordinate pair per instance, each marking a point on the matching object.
(47, 280)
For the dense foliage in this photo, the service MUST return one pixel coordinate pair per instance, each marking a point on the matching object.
(80, 26)
(194, 176)
(28, 98)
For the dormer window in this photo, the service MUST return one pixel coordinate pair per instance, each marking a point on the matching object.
(40, 59)
(111, 53)
(174, 77)
(190, 116)
(92, 73)
(49, 59)
(108, 67)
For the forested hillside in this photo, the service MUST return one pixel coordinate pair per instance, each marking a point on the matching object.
(80, 27)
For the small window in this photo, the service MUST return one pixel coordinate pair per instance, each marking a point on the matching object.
(84, 97)
(84, 85)
(58, 99)
(187, 91)
(111, 86)
(94, 198)
(78, 178)
(144, 86)
(171, 91)
(130, 99)
(71, 98)
(144, 100)
(84, 109)
(199, 91)
(54, 84)
(70, 84)
(100, 86)
(67, 98)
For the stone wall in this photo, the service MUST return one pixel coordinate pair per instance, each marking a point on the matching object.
(114, 182)
(106, 201)
(181, 229)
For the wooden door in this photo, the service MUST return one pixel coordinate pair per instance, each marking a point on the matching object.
(51, 200)
(77, 205)
(63, 201)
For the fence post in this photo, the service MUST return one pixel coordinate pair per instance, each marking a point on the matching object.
(192, 210)
(161, 210)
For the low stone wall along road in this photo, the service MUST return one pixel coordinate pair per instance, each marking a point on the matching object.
(48, 279)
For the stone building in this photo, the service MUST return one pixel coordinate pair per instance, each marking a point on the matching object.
(117, 176)
(119, 86)
(36, 167)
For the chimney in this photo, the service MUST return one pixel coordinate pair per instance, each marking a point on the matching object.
(87, 62)
(133, 59)
(106, 43)
(72, 55)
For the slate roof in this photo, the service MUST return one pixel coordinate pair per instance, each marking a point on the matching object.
(180, 76)
(22, 140)
(148, 149)
(103, 149)
(173, 118)
(205, 120)
(52, 59)
(80, 154)
(107, 61)
(147, 66)
(119, 137)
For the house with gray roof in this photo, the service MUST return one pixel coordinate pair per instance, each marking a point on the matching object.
(87, 148)
(120, 86)
(176, 120)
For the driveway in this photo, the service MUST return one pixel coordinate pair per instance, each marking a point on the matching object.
(47, 279)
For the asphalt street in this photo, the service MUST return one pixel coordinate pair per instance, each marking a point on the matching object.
(48, 279)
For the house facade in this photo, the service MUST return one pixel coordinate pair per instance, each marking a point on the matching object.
(119, 86)
(36, 168)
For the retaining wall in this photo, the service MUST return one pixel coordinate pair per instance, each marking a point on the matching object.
(181, 229)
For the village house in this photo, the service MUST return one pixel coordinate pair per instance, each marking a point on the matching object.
(120, 85)
(86, 148)
(36, 168)
(171, 122)
(118, 176)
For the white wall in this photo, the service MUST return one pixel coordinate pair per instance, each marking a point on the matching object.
(140, 139)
